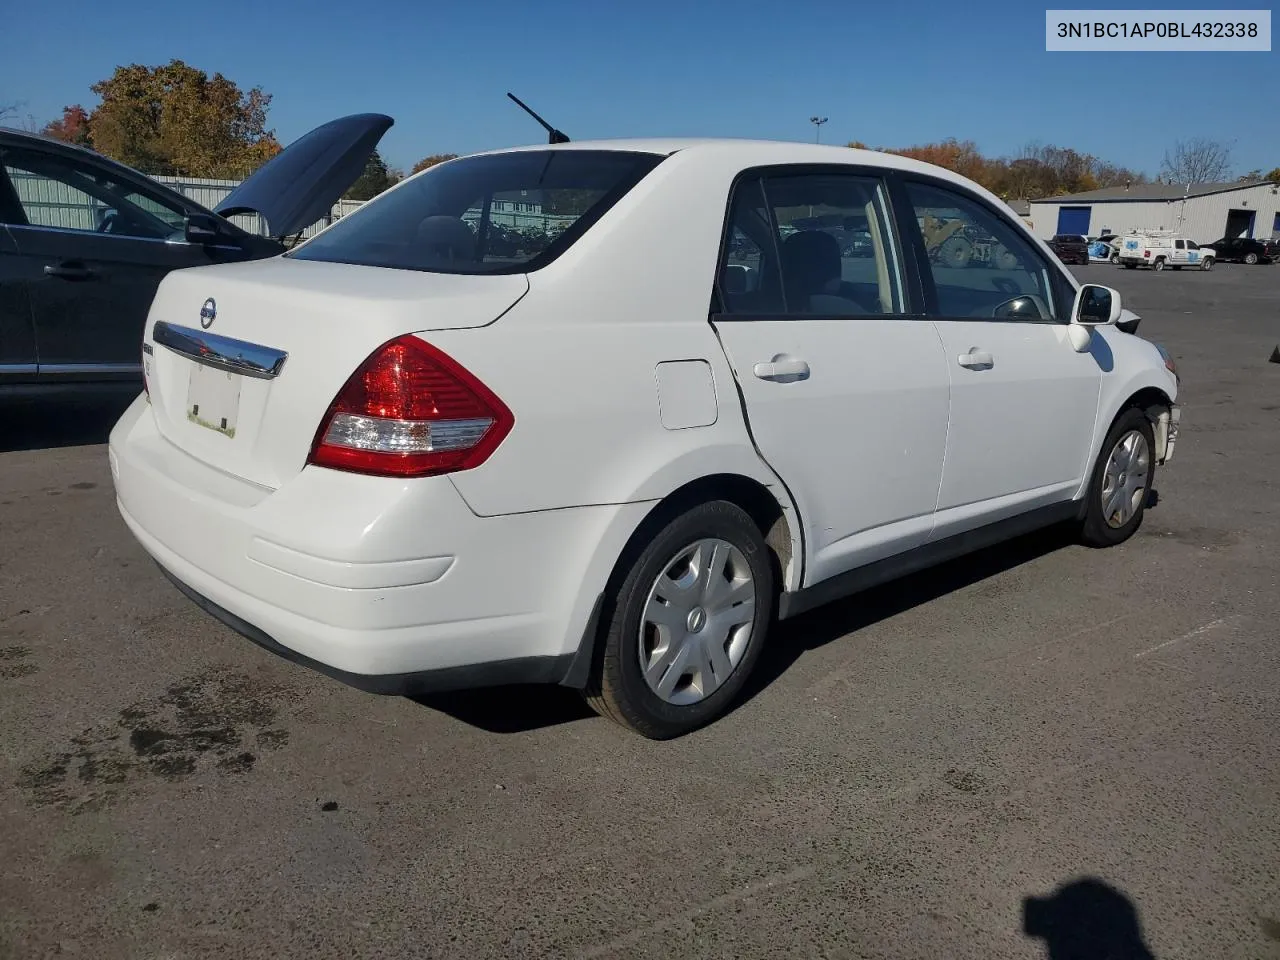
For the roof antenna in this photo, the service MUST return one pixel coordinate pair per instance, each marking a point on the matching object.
(553, 135)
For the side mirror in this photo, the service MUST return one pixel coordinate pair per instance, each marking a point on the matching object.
(1096, 306)
(203, 228)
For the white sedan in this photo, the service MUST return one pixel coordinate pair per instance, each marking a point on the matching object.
(609, 444)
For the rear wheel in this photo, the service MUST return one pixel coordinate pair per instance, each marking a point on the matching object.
(689, 618)
(1251, 258)
(1207, 263)
(1121, 481)
(1158, 265)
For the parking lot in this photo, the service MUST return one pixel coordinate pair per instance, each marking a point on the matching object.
(910, 767)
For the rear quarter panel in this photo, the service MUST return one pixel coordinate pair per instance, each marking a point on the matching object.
(576, 360)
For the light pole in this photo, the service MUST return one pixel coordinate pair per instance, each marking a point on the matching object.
(817, 128)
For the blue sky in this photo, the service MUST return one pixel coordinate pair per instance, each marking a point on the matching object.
(885, 73)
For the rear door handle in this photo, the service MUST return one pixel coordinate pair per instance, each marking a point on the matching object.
(69, 271)
(977, 360)
(782, 367)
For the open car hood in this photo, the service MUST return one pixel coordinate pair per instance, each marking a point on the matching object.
(300, 185)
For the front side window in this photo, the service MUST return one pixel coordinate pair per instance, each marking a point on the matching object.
(981, 266)
(500, 213)
(811, 245)
(58, 193)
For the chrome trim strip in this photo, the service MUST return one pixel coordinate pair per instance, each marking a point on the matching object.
(120, 236)
(65, 369)
(221, 353)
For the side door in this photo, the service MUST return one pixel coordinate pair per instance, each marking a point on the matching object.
(1179, 255)
(17, 334)
(1023, 401)
(845, 387)
(1193, 253)
(93, 246)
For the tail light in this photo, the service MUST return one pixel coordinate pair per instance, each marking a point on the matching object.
(1146, 253)
(410, 411)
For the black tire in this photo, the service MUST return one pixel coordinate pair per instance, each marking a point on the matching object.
(1158, 265)
(1251, 259)
(1206, 263)
(1115, 258)
(1094, 529)
(617, 688)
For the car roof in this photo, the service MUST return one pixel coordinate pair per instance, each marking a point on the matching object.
(47, 141)
(750, 153)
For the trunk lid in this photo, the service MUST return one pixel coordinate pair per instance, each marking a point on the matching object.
(299, 186)
(243, 360)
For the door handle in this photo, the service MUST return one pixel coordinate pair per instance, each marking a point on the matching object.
(69, 271)
(782, 367)
(977, 360)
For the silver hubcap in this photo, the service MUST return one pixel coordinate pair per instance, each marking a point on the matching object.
(1124, 482)
(697, 622)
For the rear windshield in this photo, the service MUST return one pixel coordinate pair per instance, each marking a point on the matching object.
(500, 213)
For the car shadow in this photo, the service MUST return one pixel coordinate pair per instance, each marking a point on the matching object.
(523, 709)
(68, 420)
(516, 709)
(1086, 919)
(793, 638)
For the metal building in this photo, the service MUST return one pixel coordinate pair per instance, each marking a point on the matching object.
(1202, 211)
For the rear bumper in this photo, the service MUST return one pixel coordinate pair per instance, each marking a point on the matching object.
(497, 673)
(390, 585)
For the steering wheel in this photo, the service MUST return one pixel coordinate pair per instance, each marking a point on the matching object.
(108, 222)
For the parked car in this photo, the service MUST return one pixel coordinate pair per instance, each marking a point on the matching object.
(1159, 251)
(1246, 250)
(85, 241)
(1104, 248)
(1070, 248)
(614, 463)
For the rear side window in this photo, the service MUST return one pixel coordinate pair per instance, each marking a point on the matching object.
(500, 213)
(816, 245)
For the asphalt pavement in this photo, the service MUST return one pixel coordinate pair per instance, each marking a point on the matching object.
(1002, 757)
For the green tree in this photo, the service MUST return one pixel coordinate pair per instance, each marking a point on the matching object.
(431, 161)
(176, 119)
(376, 178)
(1273, 176)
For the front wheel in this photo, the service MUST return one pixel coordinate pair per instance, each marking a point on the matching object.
(1121, 482)
(689, 618)
(1251, 259)
(1115, 258)
(1207, 263)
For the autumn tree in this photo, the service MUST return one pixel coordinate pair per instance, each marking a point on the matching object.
(1273, 176)
(1199, 160)
(376, 178)
(176, 119)
(431, 161)
(71, 127)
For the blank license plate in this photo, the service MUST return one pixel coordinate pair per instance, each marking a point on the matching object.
(213, 399)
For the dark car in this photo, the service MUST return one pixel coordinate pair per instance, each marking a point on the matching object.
(1070, 248)
(1245, 250)
(85, 242)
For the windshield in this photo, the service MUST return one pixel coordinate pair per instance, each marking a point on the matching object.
(499, 213)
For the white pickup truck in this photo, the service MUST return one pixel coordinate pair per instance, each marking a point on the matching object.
(1158, 252)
